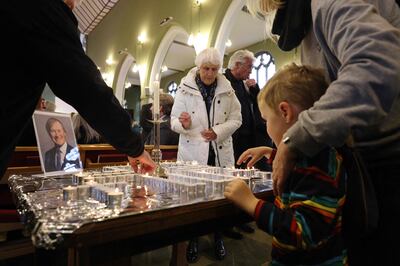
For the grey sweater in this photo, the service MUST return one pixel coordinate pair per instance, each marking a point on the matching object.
(358, 44)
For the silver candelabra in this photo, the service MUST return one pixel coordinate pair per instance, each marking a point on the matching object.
(156, 153)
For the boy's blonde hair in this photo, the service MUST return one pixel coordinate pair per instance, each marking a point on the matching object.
(299, 85)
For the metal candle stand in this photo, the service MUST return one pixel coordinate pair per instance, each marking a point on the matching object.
(156, 154)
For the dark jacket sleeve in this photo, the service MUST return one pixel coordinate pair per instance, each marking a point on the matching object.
(75, 78)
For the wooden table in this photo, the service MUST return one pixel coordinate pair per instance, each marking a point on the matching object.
(114, 241)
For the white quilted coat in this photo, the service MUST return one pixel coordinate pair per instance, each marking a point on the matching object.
(225, 118)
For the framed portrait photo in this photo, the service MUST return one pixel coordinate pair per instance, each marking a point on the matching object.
(58, 150)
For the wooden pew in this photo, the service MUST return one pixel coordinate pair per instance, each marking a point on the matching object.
(25, 160)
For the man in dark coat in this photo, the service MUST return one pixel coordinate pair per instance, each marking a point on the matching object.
(252, 132)
(145, 120)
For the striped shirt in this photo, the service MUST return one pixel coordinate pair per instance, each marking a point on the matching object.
(305, 221)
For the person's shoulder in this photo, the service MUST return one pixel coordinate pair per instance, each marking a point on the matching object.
(332, 6)
(224, 85)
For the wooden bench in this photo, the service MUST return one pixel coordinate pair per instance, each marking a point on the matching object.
(25, 160)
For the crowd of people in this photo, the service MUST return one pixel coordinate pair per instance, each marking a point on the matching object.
(346, 86)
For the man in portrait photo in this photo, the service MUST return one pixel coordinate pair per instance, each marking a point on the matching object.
(62, 156)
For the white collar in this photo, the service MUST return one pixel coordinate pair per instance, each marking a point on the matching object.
(63, 149)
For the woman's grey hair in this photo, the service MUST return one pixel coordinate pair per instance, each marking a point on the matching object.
(78, 123)
(208, 56)
(240, 56)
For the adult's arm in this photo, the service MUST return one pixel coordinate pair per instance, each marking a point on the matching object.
(74, 77)
(366, 86)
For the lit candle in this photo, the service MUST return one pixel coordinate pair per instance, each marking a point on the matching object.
(156, 102)
(70, 193)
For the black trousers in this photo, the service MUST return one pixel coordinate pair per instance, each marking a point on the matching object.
(383, 247)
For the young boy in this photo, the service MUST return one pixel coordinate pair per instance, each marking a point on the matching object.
(305, 221)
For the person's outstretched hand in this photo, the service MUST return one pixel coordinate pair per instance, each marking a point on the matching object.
(283, 164)
(255, 154)
(238, 192)
(147, 165)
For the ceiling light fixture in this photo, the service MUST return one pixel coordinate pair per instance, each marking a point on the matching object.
(142, 38)
(164, 68)
(198, 2)
(110, 61)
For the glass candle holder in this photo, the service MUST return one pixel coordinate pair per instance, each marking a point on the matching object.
(110, 179)
(83, 192)
(114, 199)
(99, 179)
(70, 193)
(121, 186)
(78, 178)
(88, 179)
(121, 178)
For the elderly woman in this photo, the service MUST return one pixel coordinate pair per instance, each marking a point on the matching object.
(205, 113)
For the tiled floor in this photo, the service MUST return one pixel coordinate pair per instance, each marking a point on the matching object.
(253, 249)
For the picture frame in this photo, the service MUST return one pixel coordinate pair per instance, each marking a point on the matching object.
(58, 149)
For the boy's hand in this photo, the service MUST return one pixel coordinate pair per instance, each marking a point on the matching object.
(238, 192)
(255, 154)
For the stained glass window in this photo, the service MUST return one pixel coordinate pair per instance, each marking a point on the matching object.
(172, 88)
(263, 68)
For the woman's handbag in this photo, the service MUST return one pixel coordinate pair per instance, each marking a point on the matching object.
(360, 212)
